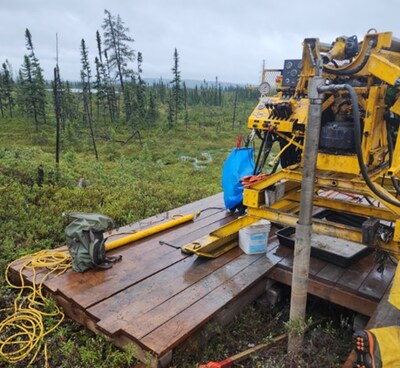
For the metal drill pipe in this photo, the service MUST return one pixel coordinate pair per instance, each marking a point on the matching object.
(302, 250)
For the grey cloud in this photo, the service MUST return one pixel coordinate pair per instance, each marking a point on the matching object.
(228, 39)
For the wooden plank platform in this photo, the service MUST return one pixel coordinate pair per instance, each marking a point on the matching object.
(157, 297)
(359, 287)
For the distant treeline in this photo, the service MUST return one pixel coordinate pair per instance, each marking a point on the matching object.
(113, 92)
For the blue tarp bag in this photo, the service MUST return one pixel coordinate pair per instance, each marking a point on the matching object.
(239, 163)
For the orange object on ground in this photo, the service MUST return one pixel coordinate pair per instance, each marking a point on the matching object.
(227, 363)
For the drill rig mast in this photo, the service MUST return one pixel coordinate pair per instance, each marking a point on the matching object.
(358, 152)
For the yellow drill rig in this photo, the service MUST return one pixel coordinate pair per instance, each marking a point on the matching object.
(344, 99)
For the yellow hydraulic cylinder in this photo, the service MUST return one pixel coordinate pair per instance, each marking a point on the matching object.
(148, 232)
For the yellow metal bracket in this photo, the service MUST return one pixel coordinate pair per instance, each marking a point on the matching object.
(221, 240)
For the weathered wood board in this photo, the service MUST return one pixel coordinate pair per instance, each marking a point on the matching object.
(156, 297)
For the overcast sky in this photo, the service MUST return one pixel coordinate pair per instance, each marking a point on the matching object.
(228, 39)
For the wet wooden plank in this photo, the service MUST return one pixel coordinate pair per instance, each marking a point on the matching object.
(173, 332)
(215, 201)
(224, 316)
(156, 300)
(287, 262)
(376, 284)
(277, 252)
(355, 275)
(330, 273)
(330, 293)
(122, 341)
(140, 261)
(166, 311)
(316, 265)
(128, 306)
(156, 297)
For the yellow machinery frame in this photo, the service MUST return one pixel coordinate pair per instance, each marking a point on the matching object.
(377, 66)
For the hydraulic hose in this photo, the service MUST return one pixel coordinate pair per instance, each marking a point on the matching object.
(371, 44)
(390, 149)
(262, 149)
(357, 138)
(267, 150)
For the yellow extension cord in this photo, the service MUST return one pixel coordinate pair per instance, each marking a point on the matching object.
(23, 331)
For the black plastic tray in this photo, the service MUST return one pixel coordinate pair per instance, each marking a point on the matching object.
(285, 237)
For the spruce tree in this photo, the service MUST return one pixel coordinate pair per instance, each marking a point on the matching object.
(176, 91)
(36, 82)
(215, 93)
(112, 96)
(185, 104)
(129, 96)
(235, 100)
(152, 112)
(2, 97)
(170, 116)
(140, 91)
(32, 90)
(161, 91)
(99, 49)
(6, 89)
(57, 88)
(99, 87)
(27, 92)
(69, 104)
(117, 45)
(86, 74)
(103, 81)
(196, 96)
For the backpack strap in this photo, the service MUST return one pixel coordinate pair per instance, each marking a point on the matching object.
(94, 254)
(114, 259)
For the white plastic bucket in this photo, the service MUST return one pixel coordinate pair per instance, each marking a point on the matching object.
(253, 239)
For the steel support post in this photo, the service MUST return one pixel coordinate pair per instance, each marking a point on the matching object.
(302, 250)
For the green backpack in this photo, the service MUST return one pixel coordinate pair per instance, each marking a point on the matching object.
(85, 241)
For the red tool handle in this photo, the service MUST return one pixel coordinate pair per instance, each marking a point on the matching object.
(239, 142)
(227, 363)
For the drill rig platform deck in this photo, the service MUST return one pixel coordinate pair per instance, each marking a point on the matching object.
(157, 298)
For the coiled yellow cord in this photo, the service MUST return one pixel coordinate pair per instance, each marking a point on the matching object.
(22, 332)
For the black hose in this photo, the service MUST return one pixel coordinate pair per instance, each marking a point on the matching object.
(356, 69)
(275, 167)
(259, 154)
(262, 148)
(335, 63)
(267, 150)
(369, 201)
(390, 149)
(357, 138)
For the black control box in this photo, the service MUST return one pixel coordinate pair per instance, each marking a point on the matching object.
(291, 72)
